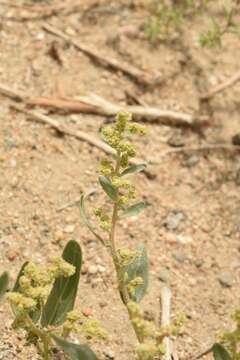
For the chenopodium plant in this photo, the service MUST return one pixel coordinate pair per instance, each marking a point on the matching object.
(42, 301)
(4, 280)
(131, 264)
(229, 346)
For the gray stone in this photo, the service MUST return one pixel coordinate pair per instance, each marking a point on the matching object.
(226, 279)
(173, 220)
(192, 161)
(179, 257)
(184, 239)
(164, 275)
(109, 354)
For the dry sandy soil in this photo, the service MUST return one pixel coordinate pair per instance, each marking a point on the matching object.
(191, 228)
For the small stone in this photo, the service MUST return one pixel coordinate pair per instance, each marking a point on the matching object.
(87, 312)
(101, 269)
(192, 161)
(164, 275)
(179, 257)
(226, 279)
(12, 255)
(236, 139)
(235, 264)
(184, 239)
(109, 354)
(92, 270)
(173, 220)
(13, 163)
(102, 304)
(69, 228)
(176, 140)
(58, 236)
(199, 263)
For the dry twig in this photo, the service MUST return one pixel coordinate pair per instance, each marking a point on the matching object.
(139, 75)
(81, 135)
(165, 319)
(223, 86)
(95, 104)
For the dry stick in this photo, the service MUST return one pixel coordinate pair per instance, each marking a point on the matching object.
(140, 76)
(95, 104)
(165, 319)
(91, 140)
(221, 87)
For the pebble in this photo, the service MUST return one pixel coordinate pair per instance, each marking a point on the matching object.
(109, 354)
(101, 269)
(69, 228)
(92, 269)
(87, 312)
(179, 257)
(58, 236)
(226, 279)
(164, 275)
(235, 264)
(184, 239)
(173, 220)
(192, 161)
(176, 140)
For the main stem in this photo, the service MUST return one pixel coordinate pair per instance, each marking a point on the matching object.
(122, 288)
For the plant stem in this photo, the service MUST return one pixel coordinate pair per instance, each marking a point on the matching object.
(122, 287)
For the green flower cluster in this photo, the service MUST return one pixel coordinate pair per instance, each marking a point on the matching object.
(150, 336)
(232, 339)
(127, 256)
(115, 137)
(35, 283)
(103, 218)
(92, 329)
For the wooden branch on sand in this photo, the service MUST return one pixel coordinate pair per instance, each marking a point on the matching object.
(81, 135)
(223, 86)
(165, 319)
(138, 75)
(94, 104)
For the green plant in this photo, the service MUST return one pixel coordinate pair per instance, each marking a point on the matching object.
(228, 349)
(166, 20)
(213, 37)
(131, 264)
(4, 280)
(42, 301)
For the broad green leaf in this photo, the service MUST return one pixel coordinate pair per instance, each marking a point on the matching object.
(75, 351)
(134, 169)
(133, 210)
(86, 221)
(4, 279)
(35, 314)
(63, 294)
(220, 353)
(108, 187)
(16, 287)
(138, 268)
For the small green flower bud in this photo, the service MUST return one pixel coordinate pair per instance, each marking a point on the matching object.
(60, 267)
(122, 119)
(21, 302)
(92, 329)
(137, 129)
(146, 351)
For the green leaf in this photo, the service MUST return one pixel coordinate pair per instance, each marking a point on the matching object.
(86, 221)
(4, 279)
(63, 294)
(138, 268)
(75, 351)
(35, 314)
(220, 353)
(108, 187)
(134, 169)
(133, 210)
(16, 287)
